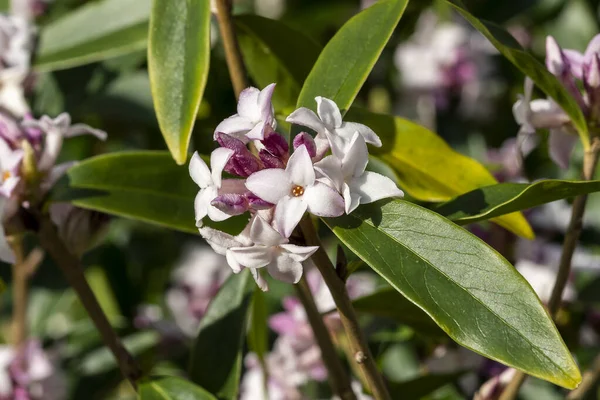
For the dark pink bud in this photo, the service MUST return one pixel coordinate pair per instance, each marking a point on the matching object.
(305, 139)
(231, 203)
(243, 163)
(269, 160)
(256, 202)
(276, 145)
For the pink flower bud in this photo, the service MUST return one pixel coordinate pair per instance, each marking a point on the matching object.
(257, 203)
(276, 145)
(307, 140)
(269, 160)
(242, 163)
(231, 203)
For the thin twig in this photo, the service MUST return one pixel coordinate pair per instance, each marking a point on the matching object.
(590, 161)
(235, 64)
(20, 279)
(72, 270)
(360, 349)
(338, 377)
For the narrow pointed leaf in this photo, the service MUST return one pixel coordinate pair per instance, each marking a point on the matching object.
(172, 388)
(427, 168)
(469, 290)
(178, 62)
(258, 333)
(144, 185)
(350, 55)
(389, 303)
(275, 52)
(493, 201)
(530, 66)
(93, 32)
(216, 359)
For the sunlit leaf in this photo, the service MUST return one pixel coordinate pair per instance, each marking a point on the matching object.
(172, 388)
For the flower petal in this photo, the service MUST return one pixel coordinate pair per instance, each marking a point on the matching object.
(6, 253)
(288, 213)
(261, 232)
(555, 60)
(331, 168)
(264, 103)
(218, 240)
(299, 253)
(367, 133)
(592, 49)
(323, 201)
(300, 168)
(248, 104)
(356, 158)
(217, 215)
(202, 203)
(561, 145)
(284, 268)
(218, 159)
(260, 281)
(351, 199)
(328, 112)
(270, 185)
(199, 171)
(83, 129)
(252, 257)
(235, 266)
(305, 117)
(372, 186)
(236, 126)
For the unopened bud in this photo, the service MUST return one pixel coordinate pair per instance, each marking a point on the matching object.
(231, 203)
(307, 140)
(269, 160)
(276, 145)
(80, 230)
(243, 163)
(257, 203)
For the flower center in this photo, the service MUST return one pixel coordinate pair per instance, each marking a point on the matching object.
(297, 191)
(6, 175)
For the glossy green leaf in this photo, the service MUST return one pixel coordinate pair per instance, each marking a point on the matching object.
(426, 167)
(417, 388)
(216, 359)
(350, 55)
(530, 66)
(275, 52)
(389, 303)
(470, 290)
(93, 32)
(144, 185)
(172, 388)
(504, 198)
(178, 62)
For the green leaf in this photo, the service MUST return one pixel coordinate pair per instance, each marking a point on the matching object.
(216, 359)
(420, 387)
(350, 55)
(178, 62)
(172, 388)
(93, 32)
(530, 66)
(275, 52)
(144, 185)
(504, 198)
(389, 303)
(470, 290)
(258, 334)
(426, 167)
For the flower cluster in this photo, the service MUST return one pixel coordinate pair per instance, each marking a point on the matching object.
(576, 71)
(277, 188)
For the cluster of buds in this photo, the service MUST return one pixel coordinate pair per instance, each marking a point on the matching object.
(580, 75)
(277, 188)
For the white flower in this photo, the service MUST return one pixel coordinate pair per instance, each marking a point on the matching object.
(254, 115)
(211, 184)
(10, 161)
(7, 354)
(349, 177)
(56, 130)
(6, 252)
(295, 190)
(328, 124)
(543, 114)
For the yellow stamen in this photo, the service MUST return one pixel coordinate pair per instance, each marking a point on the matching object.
(297, 191)
(6, 175)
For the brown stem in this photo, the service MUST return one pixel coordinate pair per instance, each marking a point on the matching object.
(19, 290)
(235, 64)
(590, 161)
(72, 270)
(362, 356)
(338, 377)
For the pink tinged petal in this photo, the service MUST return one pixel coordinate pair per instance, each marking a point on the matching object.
(217, 215)
(9, 185)
(526, 142)
(257, 132)
(269, 160)
(322, 144)
(561, 145)
(299, 253)
(367, 133)
(305, 117)
(351, 199)
(257, 203)
(328, 112)
(248, 104)
(235, 266)
(323, 201)
(555, 61)
(218, 159)
(276, 145)
(252, 257)
(52, 147)
(233, 186)
(546, 114)
(236, 126)
(372, 186)
(284, 268)
(593, 48)
(202, 202)
(231, 203)
(288, 213)
(261, 232)
(12, 162)
(304, 139)
(5, 151)
(264, 103)
(83, 129)
(270, 184)
(300, 168)
(219, 241)
(331, 168)
(199, 171)
(576, 62)
(283, 324)
(356, 158)
(260, 281)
